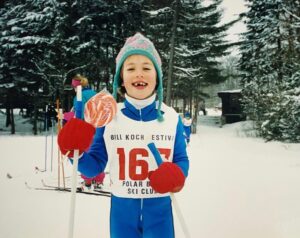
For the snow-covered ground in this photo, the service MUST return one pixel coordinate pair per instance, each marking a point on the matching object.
(238, 187)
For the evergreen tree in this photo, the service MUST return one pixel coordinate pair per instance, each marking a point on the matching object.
(270, 64)
(157, 19)
(44, 43)
(24, 38)
(200, 44)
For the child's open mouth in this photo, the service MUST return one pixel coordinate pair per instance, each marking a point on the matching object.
(140, 85)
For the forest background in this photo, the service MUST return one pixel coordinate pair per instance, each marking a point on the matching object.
(43, 44)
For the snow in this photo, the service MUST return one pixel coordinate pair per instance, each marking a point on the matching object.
(231, 91)
(238, 187)
(159, 11)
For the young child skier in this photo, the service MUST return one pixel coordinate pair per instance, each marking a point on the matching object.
(187, 125)
(140, 202)
(87, 93)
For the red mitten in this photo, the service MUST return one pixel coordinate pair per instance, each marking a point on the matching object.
(75, 135)
(168, 177)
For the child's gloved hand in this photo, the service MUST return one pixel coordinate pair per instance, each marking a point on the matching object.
(69, 115)
(168, 177)
(75, 135)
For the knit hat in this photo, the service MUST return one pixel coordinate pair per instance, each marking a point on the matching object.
(140, 45)
(75, 83)
(79, 80)
(187, 114)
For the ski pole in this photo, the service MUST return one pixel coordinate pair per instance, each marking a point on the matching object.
(52, 132)
(73, 194)
(182, 222)
(110, 105)
(58, 151)
(75, 167)
(60, 165)
(46, 128)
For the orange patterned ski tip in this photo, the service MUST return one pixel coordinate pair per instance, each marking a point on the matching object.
(100, 109)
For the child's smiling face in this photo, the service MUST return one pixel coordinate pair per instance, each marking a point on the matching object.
(139, 76)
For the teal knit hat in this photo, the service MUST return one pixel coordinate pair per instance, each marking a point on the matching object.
(140, 45)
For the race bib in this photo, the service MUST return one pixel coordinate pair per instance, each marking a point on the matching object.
(130, 160)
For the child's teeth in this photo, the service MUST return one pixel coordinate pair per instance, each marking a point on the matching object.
(139, 84)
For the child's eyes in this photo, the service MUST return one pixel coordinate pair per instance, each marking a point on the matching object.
(132, 69)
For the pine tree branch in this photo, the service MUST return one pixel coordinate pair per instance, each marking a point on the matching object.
(293, 15)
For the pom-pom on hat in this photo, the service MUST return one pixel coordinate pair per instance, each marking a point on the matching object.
(140, 45)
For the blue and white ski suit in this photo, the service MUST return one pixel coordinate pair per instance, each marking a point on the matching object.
(137, 211)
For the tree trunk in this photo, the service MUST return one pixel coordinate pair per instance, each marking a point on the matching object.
(35, 115)
(196, 106)
(170, 69)
(191, 105)
(107, 66)
(195, 117)
(8, 117)
(13, 129)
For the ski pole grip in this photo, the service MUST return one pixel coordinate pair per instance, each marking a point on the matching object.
(155, 153)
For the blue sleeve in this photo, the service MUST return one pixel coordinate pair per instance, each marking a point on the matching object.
(78, 108)
(94, 161)
(74, 101)
(180, 156)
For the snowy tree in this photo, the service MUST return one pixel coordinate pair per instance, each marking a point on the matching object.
(190, 39)
(270, 64)
(24, 37)
(200, 43)
(230, 70)
(45, 43)
(97, 30)
(159, 17)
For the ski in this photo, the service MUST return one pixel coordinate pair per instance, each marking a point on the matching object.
(69, 190)
(79, 190)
